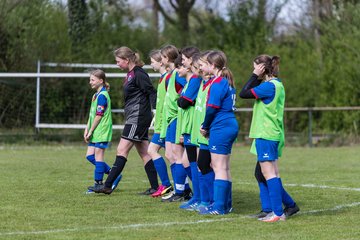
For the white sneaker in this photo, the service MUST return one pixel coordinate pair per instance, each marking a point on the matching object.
(167, 196)
(272, 217)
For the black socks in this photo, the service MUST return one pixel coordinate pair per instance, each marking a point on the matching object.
(151, 174)
(115, 171)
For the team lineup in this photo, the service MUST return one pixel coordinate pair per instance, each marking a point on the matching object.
(195, 123)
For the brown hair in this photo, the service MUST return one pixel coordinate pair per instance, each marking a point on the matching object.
(178, 62)
(101, 75)
(155, 54)
(189, 51)
(271, 64)
(127, 53)
(171, 52)
(219, 60)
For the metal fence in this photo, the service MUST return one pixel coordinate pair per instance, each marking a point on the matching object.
(39, 75)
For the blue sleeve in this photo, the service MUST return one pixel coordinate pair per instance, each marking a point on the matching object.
(209, 117)
(102, 105)
(216, 93)
(264, 90)
(180, 80)
(192, 90)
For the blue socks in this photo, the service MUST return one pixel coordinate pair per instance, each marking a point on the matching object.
(286, 198)
(209, 184)
(195, 181)
(229, 199)
(221, 194)
(180, 178)
(173, 173)
(275, 194)
(264, 197)
(161, 169)
(91, 159)
(99, 171)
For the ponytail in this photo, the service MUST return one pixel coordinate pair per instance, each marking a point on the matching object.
(226, 73)
(219, 60)
(271, 64)
(275, 62)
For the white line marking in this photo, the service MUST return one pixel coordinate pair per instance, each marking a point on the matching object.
(144, 225)
(140, 225)
(312, 186)
(323, 187)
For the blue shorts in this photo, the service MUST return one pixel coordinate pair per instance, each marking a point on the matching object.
(101, 145)
(187, 140)
(221, 138)
(204, 147)
(171, 132)
(267, 150)
(157, 140)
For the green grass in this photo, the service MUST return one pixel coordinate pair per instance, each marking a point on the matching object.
(42, 197)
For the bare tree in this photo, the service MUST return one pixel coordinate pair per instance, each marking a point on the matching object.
(182, 9)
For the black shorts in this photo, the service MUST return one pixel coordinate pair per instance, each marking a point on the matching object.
(135, 132)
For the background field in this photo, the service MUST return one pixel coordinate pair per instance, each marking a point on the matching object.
(42, 197)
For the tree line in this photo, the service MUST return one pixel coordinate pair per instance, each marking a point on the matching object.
(319, 50)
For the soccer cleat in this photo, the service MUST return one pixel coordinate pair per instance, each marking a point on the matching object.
(100, 188)
(116, 182)
(201, 206)
(187, 194)
(177, 197)
(160, 191)
(148, 192)
(272, 217)
(89, 191)
(96, 186)
(260, 214)
(289, 211)
(167, 196)
(167, 190)
(190, 205)
(211, 211)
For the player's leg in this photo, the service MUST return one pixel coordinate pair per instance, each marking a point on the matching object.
(160, 165)
(142, 149)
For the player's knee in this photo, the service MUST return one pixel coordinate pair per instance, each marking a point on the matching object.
(169, 156)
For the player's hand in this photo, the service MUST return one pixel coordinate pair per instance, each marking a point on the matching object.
(204, 132)
(259, 69)
(85, 134)
(87, 137)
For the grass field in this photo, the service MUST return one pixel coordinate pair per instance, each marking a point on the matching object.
(42, 197)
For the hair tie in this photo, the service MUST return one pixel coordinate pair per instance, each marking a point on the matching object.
(223, 68)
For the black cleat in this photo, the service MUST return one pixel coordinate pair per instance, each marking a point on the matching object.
(148, 191)
(187, 194)
(289, 211)
(100, 188)
(177, 197)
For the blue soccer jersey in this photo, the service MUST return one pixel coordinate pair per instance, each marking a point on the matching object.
(265, 92)
(191, 92)
(221, 96)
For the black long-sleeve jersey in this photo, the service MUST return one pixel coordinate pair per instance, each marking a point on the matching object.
(140, 96)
